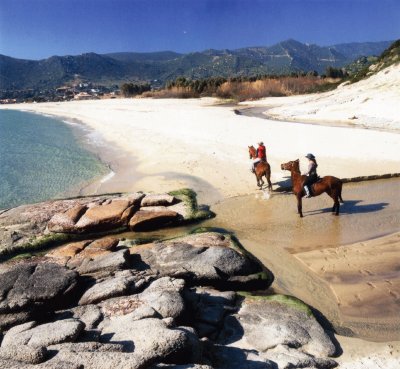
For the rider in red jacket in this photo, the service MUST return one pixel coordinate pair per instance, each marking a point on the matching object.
(261, 155)
(261, 151)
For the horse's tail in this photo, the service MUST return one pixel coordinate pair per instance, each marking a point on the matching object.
(340, 191)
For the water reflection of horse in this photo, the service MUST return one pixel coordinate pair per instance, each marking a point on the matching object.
(329, 184)
(262, 169)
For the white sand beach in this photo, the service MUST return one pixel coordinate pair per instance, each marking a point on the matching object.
(198, 144)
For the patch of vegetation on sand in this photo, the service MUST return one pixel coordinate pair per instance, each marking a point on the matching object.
(281, 299)
(189, 199)
(36, 244)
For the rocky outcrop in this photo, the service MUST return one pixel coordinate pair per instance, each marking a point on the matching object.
(166, 304)
(100, 302)
(34, 226)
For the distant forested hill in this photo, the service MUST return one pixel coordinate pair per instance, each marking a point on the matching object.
(282, 58)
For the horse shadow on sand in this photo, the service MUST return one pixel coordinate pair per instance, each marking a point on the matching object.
(352, 207)
(286, 183)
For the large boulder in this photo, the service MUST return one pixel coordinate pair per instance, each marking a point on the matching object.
(103, 217)
(111, 287)
(265, 323)
(28, 285)
(107, 263)
(26, 226)
(65, 222)
(25, 353)
(163, 295)
(161, 299)
(99, 247)
(44, 334)
(204, 258)
(158, 200)
(69, 250)
(144, 220)
(100, 215)
(90, 315)
(150, 339)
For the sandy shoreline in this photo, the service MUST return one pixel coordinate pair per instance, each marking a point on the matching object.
(161, 145)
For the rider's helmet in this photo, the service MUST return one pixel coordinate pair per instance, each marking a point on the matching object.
(261, 143)
(310, 156)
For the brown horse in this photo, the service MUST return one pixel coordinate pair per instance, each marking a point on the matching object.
(329, 184)
(262, 169)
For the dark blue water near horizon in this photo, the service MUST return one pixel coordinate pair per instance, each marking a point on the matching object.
(40, 159)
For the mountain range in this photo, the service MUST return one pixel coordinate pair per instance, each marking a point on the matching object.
(115, 68)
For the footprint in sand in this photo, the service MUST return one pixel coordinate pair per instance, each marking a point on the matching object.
(365, 272)
(394, 294)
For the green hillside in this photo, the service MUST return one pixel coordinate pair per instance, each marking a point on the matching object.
(283, 58)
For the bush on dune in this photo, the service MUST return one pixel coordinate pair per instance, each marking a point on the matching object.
(242, 88)
(283, 86)
(172, 93)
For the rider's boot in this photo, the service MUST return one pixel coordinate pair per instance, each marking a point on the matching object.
(307, 191)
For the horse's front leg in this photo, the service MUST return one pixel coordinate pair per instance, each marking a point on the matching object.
(299, 206)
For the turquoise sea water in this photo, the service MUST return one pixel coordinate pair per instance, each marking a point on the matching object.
(40, 159)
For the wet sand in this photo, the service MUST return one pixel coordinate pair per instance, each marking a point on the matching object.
(342, 265)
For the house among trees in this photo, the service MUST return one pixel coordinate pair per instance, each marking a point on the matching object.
(83, 96)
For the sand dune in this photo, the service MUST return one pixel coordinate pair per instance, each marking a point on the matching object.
(370, 103)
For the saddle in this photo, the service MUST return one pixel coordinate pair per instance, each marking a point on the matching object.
(311, 185)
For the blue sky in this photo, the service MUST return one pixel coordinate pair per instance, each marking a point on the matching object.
(36, 29)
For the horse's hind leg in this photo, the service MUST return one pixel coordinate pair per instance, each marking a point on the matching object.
(336, 205)
(269, 182)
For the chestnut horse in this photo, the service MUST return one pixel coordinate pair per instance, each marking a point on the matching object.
(329, 184)
(262, 169)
